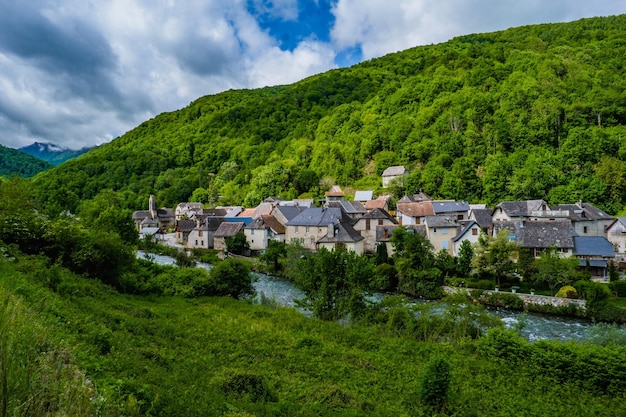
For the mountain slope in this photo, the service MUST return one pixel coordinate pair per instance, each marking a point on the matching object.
(530, 112)
(14, 162)
(52, 153)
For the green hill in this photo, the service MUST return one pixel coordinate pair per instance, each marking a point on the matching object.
(52, 153)
(529, 112)
(14, 162)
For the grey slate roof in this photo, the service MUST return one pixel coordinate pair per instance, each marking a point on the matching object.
(539, 234)
(363, 195)
(521, 208)
(210, 223)
(482, 217)
(383, 233)
(443, 207)
(185, 225)
(583, 211)
(440, 221)
(379, 214)
(317, 217)
(464, 230)
(290, 211)
(344, 233)
(593, 246)
(350, 207)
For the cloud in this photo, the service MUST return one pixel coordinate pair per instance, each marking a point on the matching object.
(80, 73)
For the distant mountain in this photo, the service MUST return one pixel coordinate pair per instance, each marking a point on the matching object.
(52, 153)
(14, 162)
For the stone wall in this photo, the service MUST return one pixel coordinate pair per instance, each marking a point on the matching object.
(532, 299)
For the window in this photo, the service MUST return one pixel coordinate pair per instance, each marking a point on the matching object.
(367, 224)
(444, 230)
(584, 229)
(307, 229)
(296, 229)
(435, 230)
(474, 231)
(380, 222)
(444, 245)
(459, 217)
(200, 233)
(251, 231)
(202, 243)
(196, 242)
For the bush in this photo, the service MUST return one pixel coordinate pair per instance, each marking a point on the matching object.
(248, 387)
(504, 300)
(567, 291)
(618, 288)
(434, 383)
(230, 278)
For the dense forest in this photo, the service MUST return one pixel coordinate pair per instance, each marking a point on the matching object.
(14, 162)
(529, 112)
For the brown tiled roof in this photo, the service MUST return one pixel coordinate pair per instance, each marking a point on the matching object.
(273, 224)
(422, 209)
(375, 204)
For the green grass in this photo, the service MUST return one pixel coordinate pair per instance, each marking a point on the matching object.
(170, 356)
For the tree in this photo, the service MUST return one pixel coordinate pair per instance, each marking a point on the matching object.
(415, 262)
(382, 257)
(435, 382)
(554, 270)
(335, 283)
(231, 278)
(276, 250)
(494, 256)
(237, 243)
(305, 180)
(464, 260)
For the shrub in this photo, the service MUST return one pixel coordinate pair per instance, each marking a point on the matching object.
(567, 291)
(248, 387)
(434, 383)
(504, 300)
(230, 278)
(618, 288)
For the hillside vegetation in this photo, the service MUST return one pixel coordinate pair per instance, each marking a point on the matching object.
(529, 112)
(14, 162)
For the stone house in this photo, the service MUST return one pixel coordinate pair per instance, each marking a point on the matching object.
(440, 231)
(312, 224)
(341, 235)
(470, 232)
(163, 218)
(594, 252)
(261, 231)
(226, 229)
(202, 235)
(367, 225)
(398, 173)
(587, 219)
(616, 234)
(182, 230)
(538, 236)
(413, 212)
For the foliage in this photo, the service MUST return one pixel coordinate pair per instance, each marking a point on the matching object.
(555, 270)
(530, 112)
(382, 256)
(276, 250)
(435, 382)
(231, 278)
(415, 262)
(464, 260)
(567, 291)
(493, 256)
(237, 244)
(335, 283)
(14, 162)
(503, 299)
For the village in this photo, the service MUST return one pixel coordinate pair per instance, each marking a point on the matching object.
(578, 229)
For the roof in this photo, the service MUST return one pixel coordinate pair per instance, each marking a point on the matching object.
(364, 195)
(262, 209)
(597, 263)
(350, 207)
(344, 233)
(335, 191)
(583, 212)
(315, 216)
(379, 214)
(218, 212)
(440, 221)
(267, 222)
(421, 209)
(521, 208)
(185, 225)
(593, 246)
(464, 230)
(482, 217)
(289, 212)
(379, 203)
(227, 229)
(394, 171)
(246, 213)
(150, 231)
(539, 234)
(210, 223)
(441, 207)
(233, 211)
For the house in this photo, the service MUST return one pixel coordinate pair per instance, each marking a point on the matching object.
(587, 219)
(226, 229)
(334, 194)
(202, 235)
(616, 234)
(518, 210)
(285, 213)
(341, 235)
(440, 230)
(482, 216)
(538, 236)
(187, 210)
(470, 232)
(594, 253)
(367, 226)
(182, 230)
(413, 212)
(262, 230)
(312, 224)
(163, 218)
(397, 173)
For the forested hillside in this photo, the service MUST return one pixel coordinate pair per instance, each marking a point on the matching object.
(14, 162)
(530, 112)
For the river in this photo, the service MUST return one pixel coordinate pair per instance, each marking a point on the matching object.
(533, 326)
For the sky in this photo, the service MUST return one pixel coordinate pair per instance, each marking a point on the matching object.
(82, 72)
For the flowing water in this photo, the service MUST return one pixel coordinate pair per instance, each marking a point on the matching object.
(532, 326)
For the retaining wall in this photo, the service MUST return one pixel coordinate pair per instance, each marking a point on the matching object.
(531, 299)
